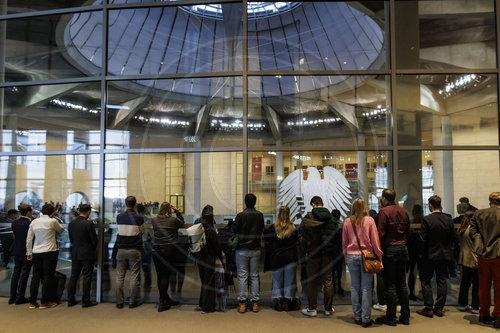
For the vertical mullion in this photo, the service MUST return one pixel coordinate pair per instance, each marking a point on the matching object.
(497, 21)
(245, 99)
(395, 149)
(104, 70)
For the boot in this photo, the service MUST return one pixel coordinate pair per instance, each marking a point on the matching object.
(255, 306)
(242, 307)
(163, 305)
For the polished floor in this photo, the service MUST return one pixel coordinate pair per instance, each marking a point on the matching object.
(106, 318)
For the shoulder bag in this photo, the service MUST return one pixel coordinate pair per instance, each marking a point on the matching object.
(371, 263)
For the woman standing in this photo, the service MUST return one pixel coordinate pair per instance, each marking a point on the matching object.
(281, 258)
(210, 260)
(364, 226)
(166, 237)
(468, 264)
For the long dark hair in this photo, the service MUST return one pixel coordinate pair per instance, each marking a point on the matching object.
(465, 222)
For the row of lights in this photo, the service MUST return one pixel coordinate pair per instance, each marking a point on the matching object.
(459, 84)
(313, 123)
(165, 122)
(72, 106)
(217, 124)
(378, 113)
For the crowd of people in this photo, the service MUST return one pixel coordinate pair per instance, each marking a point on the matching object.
(314, 246)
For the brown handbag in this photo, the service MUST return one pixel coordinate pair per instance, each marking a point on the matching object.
(371, 263)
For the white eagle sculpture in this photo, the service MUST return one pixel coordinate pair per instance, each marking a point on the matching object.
(333, 188)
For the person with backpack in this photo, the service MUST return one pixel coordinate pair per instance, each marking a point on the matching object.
(210, 261)
(166, 237)
(317, 231)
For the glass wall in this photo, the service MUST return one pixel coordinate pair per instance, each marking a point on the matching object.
(199, 104)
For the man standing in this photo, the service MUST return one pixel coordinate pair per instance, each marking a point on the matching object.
(22, 266)
(83, 254)
(248, 227)
(41, 247)
(317, 231)
(438, 234)
(485, 236)
(129, 255)
(394, 231)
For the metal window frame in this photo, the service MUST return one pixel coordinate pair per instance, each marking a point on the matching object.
(104, 78)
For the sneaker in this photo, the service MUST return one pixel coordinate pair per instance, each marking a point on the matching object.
(310, 313)
(380, 307)
(329, 312)
(464, 308)
(47, 305)
(474, 311)
(33, 305)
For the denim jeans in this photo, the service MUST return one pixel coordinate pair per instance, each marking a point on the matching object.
(128, 259)
(361, 283)
(247, 264)
(285, 281)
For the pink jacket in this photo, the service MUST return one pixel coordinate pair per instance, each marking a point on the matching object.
(368, 237)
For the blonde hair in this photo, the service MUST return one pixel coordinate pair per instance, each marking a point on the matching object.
(283, 226)
(165, 210)
(495, 198)
(358, 211)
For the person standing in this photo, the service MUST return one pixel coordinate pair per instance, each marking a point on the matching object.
(41, 248)
(485, 236)
(438, 235)
(281, 257)
(394, 231)
(413, 244)
(166, 234)
(468, 264)
(208, 259)
(83, 255)
(318, 230)
(22, 265)
(248, 227)
(360, 227)
(129, 254)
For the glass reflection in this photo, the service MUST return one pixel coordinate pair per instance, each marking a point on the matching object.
(202, 112)
(174, 40)
(445, 34)
(319, 111)
(459, 109)
(14, 6)
(355, 174)
(51, 117)
(318, 36)
(52, 47)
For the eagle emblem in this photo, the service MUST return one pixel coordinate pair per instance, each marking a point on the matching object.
(297, 189)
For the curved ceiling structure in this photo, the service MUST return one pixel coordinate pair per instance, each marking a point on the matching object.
(303, 36)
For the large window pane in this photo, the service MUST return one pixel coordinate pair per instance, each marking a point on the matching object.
(16, 6)
(175, 39)
(293, 178)
(188, 180)
(52, 47)
(64, 180)
(457, 109)
(445, 34)
(449, 174)
(317, 35)
(319, 111)
(51, 117)
(180, 113)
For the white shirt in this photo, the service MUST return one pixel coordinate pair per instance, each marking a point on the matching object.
(43, 229)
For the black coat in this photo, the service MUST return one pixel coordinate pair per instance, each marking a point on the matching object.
(248, 226)
(83, 239)
(280, 252)
(438, 236)
(20, 229)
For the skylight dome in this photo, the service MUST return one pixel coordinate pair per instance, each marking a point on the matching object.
(254, 9)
